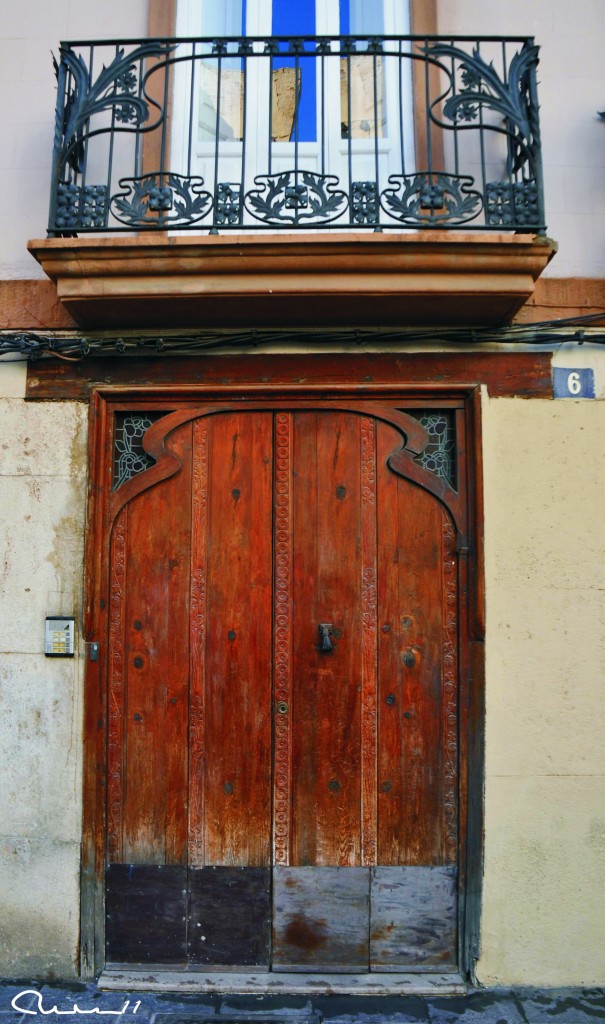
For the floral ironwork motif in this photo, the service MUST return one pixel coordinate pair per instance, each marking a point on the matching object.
(110, 111)
(512, 204)
(81, 207)
(484, 89)
(439, 456)
(130, 458)
(364, 202)
(292, 196)
(431, 198)
(227, 205)
(115, 89)
(161, 200)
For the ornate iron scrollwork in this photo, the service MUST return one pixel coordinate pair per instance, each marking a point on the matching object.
(107, 112)
(439, 456)
(513, 204)
(484, 89)
(130, 458)
(433, 199)
(293, 196)
(81, 207)
(161, 200)
(116, 89)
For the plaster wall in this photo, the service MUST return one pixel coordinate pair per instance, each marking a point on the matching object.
(543, 917)
(29, 31)
(571, 78)
(42, 483)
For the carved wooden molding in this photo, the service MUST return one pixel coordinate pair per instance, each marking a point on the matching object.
(505, 374)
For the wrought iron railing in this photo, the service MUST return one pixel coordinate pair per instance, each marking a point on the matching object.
(305, 133)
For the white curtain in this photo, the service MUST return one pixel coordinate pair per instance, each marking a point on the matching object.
(367, 16)
(221, 19)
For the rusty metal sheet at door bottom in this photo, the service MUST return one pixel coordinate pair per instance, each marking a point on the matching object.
(413, 918)
(320, 919)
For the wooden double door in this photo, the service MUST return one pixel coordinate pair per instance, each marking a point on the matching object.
(282, 616)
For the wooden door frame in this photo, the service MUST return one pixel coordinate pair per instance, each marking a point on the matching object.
(104, 401)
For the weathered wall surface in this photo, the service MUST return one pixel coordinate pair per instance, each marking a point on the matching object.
(543, 899)
(42, 477)
(29, 31)
(571, 79)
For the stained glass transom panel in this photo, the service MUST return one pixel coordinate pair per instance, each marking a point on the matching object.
(130, 458)
(439, 456)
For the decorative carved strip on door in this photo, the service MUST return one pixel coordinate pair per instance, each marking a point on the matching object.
(282, 640)
(198, 638)
(115, 688)
(450, 689)
(369, 644)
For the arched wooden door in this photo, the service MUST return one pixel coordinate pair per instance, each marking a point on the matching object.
(282, 609)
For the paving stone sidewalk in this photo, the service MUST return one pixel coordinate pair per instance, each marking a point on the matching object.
(24, 1001)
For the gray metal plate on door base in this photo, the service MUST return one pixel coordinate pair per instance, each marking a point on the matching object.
(413, 918)
(320, 919)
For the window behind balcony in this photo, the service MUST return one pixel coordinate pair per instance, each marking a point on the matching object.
(344, 113)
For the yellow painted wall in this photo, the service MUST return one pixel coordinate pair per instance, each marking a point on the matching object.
(544, 899)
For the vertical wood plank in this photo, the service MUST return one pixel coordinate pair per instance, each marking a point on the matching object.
(412, 739)
(237, 759)
(282, 640)
(157, 666)
(326, 784)
(198, 640)
(369, 641)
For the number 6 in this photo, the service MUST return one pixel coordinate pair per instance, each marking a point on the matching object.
(574, 384)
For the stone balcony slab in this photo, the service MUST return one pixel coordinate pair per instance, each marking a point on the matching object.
(357, 278)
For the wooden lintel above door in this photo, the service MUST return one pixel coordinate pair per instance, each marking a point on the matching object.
(357, 278)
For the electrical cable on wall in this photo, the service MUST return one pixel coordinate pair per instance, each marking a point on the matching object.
(75, 345)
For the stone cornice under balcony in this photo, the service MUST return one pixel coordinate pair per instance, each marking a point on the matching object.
(292, 279)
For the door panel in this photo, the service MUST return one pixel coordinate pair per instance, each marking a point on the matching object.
(417, 697)
(148, 675)
(326, 699)
(283, 700)
(231, 659)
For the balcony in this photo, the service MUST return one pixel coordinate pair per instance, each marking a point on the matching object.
(413, 151)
